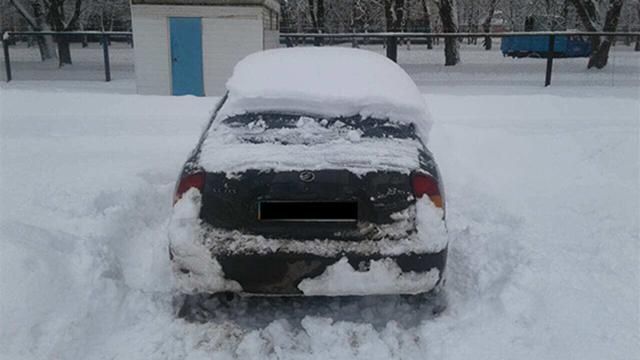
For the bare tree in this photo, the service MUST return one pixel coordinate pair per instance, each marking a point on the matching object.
(427, 22)
(57, 16)
(316, 11)
(486, 24)
(637, 48)
(394, 14)
(46, 15)
(588, 13)
(449, 18)
(31, 11)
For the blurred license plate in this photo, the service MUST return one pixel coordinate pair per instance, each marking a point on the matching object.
(305, 211)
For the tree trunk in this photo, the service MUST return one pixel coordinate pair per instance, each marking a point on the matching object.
(316, 11)
(637, 48)
(565, 14)
(427, 23)
(57, 18)
(588, 14)
(64, 52)
(394, 14)
(600, 55)
(45, 46)
(35, 18)
(472, 22)
(449, 18)
(486, 24)
(85, 42)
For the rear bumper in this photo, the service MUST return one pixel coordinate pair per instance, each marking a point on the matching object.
(309, 274)
(283, 274)
(212, 260)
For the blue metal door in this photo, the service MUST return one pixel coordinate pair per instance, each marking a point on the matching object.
(186, 55)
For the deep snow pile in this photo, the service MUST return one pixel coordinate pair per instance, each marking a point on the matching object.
(327, 81)
(542, 204)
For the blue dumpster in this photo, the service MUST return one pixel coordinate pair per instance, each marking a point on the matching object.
(538, 45)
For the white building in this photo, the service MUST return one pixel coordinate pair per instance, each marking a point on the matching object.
(190, 46)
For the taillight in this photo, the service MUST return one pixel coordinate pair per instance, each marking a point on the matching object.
(195, 180)
(424, 184)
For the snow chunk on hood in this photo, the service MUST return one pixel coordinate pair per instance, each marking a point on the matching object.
(325, 81)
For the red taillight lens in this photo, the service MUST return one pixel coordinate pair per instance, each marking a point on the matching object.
(424, 184)
(195, 180)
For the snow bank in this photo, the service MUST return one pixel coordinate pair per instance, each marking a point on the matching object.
(382, 277)
(325, 81)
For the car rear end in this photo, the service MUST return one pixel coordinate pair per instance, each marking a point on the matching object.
(285, 204)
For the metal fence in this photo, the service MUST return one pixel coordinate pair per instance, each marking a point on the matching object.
(389, 39)
(105, 39)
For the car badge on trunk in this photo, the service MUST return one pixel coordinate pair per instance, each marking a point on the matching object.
(307, 176)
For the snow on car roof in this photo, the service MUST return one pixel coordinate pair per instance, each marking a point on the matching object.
(326, 81)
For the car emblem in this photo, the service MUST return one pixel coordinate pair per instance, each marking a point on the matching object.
(307, 176)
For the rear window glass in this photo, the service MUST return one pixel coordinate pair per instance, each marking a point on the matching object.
(300, 129)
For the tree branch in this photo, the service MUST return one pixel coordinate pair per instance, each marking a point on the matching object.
(25, 14)
(76, 14)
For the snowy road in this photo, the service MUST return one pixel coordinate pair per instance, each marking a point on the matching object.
(543, 199)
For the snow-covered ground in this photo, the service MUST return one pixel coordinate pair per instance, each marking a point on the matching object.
(88, 63)
(543, 197)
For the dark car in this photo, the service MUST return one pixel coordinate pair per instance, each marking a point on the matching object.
(295, 190)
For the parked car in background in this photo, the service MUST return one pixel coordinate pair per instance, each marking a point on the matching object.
(312, 178)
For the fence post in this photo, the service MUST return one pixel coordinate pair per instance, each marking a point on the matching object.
(551, 49)
(105, 53)
(7, 60)
(392, 48)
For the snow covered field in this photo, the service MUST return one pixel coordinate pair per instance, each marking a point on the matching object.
(543, 195)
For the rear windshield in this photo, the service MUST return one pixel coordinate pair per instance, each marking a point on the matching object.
(300, 129)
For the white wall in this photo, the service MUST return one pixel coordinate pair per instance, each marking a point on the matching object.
(151, 48)
(228, 34)
(225, 42)
(271, 39)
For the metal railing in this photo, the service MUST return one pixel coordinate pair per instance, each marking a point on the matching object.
(391, 40)
(104, 36)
